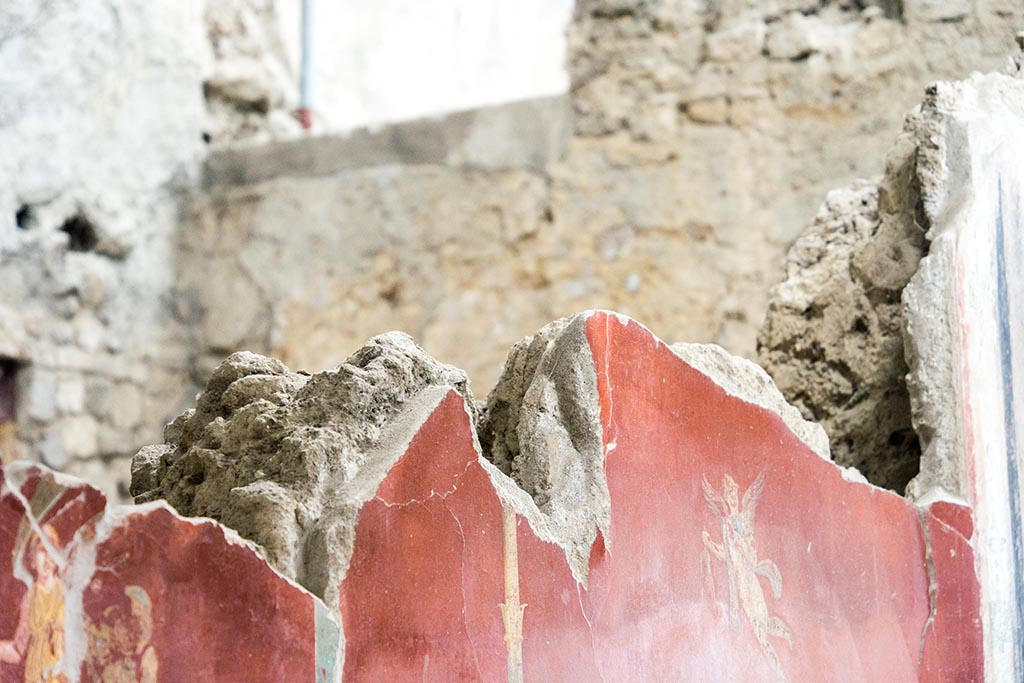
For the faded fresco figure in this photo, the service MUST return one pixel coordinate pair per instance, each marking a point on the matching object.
(39, 638)
(119, 646)
(737, 550)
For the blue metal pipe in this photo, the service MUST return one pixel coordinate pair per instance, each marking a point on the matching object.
(306, 66)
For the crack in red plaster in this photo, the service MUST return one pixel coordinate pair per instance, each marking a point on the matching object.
(933, 585)
(462, 586)
(593, 639)
(433, 494)
(950, 529)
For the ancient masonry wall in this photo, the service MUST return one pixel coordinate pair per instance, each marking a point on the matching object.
(101, 114)
(668, 184)
(106, 110)
(698, 140)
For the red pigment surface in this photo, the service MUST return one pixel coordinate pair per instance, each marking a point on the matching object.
(161, 596)
(735, 553)
(953, 649)
(422, 594)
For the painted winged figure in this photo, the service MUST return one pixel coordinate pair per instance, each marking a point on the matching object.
(739, 553)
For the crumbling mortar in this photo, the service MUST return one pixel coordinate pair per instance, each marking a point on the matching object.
(289, 459)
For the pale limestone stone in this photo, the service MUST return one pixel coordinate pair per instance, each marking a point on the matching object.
(713, 110)
(42, 395)
(51, 450)
(126, 405)
(939, 10)
(70, 393)
(794, 37)
(79, 436)
(737, 44)
(97, 396)
(90, 333)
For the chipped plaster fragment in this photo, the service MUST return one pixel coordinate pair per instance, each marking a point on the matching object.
(748, 381)
(542, 427)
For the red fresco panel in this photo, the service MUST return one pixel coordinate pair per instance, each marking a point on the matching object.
(145, 597)
(557, 641)
(736, 553)
(421, 597)
(194, 605)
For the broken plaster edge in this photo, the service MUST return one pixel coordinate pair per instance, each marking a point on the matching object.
(82, 565)
(746, 380)
(546, 403)
(953, 153)
(510, 494)
(402, 427)
(703, 353)
(740, 378)
(929, 318)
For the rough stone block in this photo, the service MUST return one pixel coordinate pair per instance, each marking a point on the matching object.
(42, 395)
(92, 593)
(79, 436)
(794, 37)
(737, 44)
(70, 394)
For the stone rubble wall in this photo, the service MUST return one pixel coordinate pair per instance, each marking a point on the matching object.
(100, 125)
(668, 184)
(701, 139)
